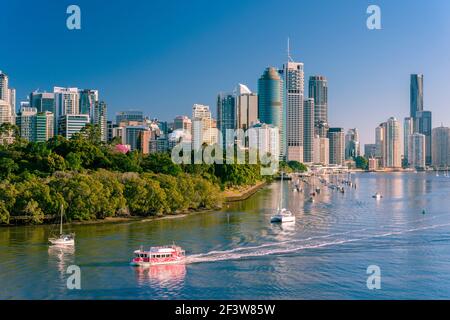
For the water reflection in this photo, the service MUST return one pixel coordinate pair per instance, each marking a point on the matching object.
(62, 256)
(164, 276)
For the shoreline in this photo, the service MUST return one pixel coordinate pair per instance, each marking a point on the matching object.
(239, 195)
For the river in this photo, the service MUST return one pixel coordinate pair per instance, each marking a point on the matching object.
(238, 254)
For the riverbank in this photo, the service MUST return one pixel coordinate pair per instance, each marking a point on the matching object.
(242, 193)
(229, 195)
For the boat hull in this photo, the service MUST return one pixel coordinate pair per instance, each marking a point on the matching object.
(59, 242)
(136, 263)
(280, 219)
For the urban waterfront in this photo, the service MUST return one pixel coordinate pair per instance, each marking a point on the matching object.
(238, 254)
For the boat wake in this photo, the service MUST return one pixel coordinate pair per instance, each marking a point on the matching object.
(292, 246)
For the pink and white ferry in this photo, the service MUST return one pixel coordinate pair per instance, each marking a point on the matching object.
(158, 255)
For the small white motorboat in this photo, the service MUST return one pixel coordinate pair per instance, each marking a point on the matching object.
(377, 196)
(282, 215)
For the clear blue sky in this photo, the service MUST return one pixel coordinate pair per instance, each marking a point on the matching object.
(163, 56)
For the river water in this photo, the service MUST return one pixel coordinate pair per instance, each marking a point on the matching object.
(238, 254)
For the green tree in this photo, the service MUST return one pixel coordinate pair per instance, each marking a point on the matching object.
(361, 163)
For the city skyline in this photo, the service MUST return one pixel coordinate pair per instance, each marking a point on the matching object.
(370, 58)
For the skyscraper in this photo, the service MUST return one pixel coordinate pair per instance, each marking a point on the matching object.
(6, 111)
(379, 141)
(408, 129)
(66, 101)
(318, 90)
(352, 145)
(26, 121)
(271, 103)
(416, 149)
(294, 81)
(201, 126)
(336, 146)
(99, 118)
(308, 131)
(392, 152)
(321, 150)
(423, 124)
(88, 99)
(441, 147)
(226, 117)
(247, 107)
(43, 101)
(416, 94)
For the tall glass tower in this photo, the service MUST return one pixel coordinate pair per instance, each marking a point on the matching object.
(416, 94)
(226, 117)
(271, 103)
(318, 90)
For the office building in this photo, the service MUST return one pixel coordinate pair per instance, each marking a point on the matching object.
(408, 129)
(318, 90)
(416, 149)
(423, 125)
(308, 131)
(416, 94)
(441, 147)
(246, 107)
(352, 145)
(226, 117)
(69, 124)
(271, 104)
(130, 115)
(336, 146)
(321, 151)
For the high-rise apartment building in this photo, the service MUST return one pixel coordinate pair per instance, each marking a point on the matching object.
(416, 149)
(408, 129)
(294, 83)
(7, 110)
(391, 147)
(318, 90)
(26, 122)
(99, 118)
(308, 131)
(202, 125)
(441, 147)
(336, 146)
(321, 150)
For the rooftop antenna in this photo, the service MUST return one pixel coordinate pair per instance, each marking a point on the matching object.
(289, 51)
